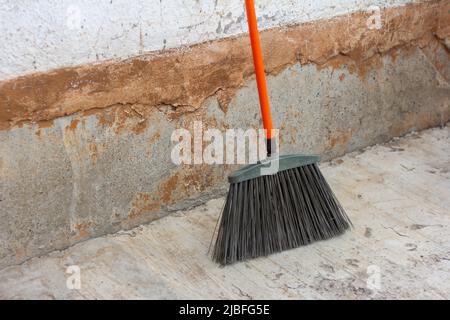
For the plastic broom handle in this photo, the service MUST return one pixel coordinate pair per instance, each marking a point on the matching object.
(259, 67)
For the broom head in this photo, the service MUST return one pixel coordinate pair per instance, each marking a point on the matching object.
(275, 205)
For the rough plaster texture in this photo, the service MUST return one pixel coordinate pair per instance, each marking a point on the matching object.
(184, 80)
(47, 34)
(81, 178)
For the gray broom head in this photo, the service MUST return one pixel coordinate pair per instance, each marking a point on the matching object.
(271, 210)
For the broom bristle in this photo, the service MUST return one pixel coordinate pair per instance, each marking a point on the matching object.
(277, 212)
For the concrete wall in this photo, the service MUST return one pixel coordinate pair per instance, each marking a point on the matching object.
(85, 150)
(46, 34)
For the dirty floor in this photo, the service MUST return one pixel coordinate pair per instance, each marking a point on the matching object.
(397, 195)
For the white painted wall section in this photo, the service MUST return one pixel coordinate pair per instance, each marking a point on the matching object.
(38, 35)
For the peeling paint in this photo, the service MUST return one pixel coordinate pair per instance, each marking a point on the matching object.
(184, 79)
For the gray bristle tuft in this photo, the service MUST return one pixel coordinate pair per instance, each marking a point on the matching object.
(277, 212)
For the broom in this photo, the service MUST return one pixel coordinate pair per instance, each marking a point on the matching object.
(269, 211)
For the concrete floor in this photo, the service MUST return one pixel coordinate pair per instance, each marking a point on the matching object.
(397, 195)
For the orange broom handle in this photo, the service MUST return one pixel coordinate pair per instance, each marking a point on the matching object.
(259, 67)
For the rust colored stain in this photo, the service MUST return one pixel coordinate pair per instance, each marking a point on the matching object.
(197, 179)
(73, 124)
(186, 182)
(93, 152)
(155, 137)
(167, 188)
(121, 117)
(82, 230)
(42, 124)
(181, 80)
(143, 203)
(339, 139)
(358, 67)
(139, 127)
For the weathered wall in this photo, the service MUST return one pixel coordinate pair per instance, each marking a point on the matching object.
(38, 35)
(86, 150)
(185, 79)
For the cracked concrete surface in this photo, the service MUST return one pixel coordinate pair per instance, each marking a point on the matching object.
(397, 195)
